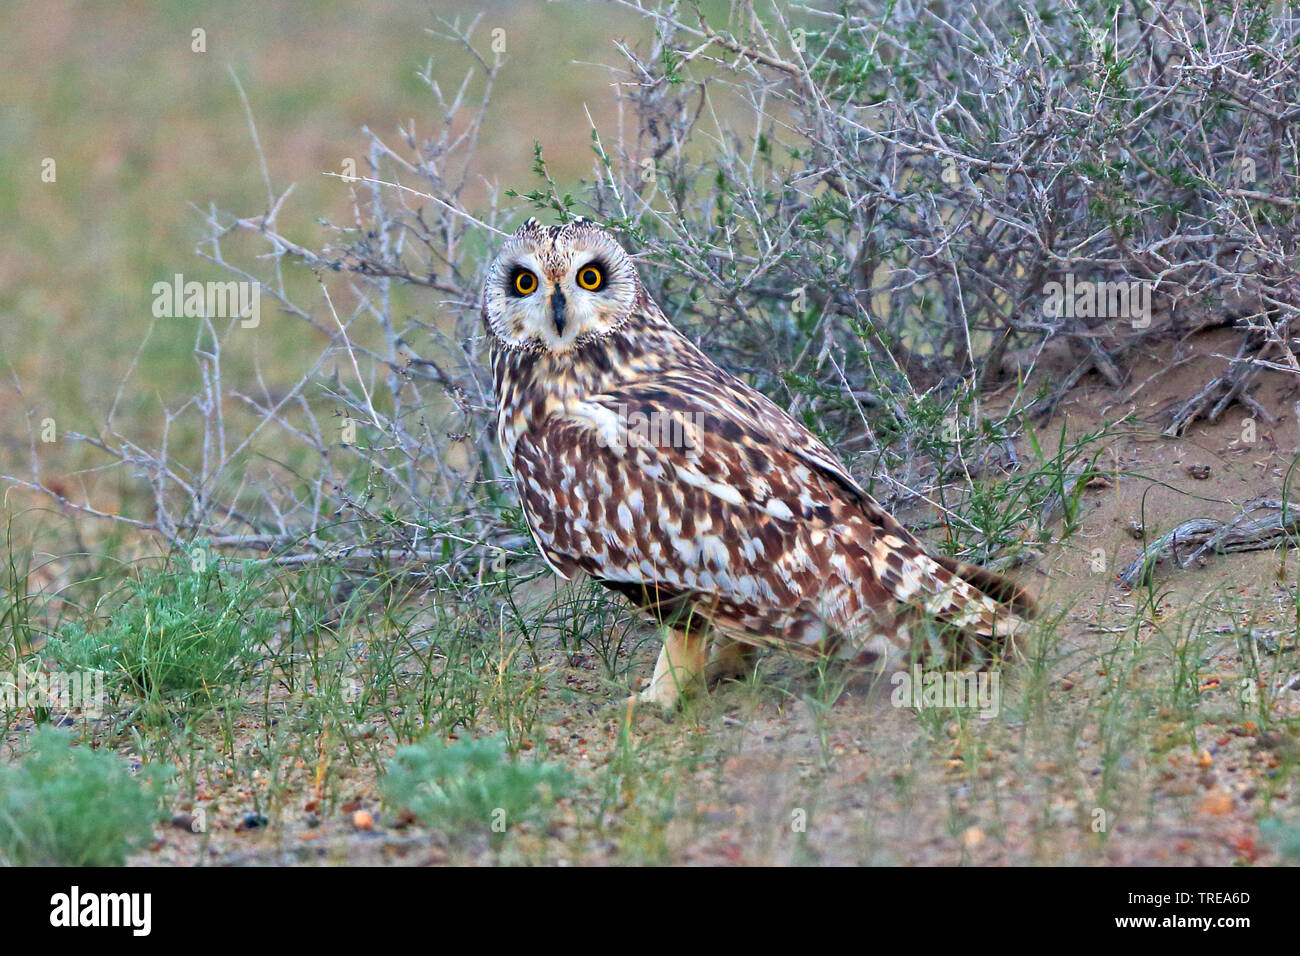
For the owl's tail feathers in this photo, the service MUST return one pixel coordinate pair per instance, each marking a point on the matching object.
(999, 588)
(991, 610)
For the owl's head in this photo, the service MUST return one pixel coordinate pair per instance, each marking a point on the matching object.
(555, 288)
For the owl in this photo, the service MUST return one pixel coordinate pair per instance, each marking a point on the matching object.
(644, 465)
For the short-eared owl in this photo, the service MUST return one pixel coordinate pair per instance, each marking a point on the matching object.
(648, 467)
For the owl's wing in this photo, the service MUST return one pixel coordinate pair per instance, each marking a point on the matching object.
(695, 490)
(742, 403)
(707, 516)
(726, 412)
(725, 397)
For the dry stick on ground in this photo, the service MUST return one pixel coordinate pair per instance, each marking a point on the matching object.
(1215, 396)
(1193, 539)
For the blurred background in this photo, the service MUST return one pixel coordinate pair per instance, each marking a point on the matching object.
(146, 133)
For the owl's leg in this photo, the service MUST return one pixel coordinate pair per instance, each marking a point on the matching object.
(730, 660)
(681, 663)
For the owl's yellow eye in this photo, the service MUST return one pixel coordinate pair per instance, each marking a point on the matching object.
(525, 282)
(591, 278)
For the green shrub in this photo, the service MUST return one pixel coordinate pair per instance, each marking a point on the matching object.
(471, 784)
(71, 806)
(177, 633)
(1285, 838)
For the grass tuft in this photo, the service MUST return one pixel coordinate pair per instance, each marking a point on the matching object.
(177, 634)
(471, 786)
(70, 806)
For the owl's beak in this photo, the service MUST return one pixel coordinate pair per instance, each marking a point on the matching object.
(559, 305)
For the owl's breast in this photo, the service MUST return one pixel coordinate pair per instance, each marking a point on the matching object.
(536, 389)
(519, 398)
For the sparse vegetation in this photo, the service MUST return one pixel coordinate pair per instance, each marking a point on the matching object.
(471, 787)
(179, 633)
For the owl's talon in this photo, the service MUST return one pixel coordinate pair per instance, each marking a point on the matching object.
(665, 699)
(634, 708)
(680, 667)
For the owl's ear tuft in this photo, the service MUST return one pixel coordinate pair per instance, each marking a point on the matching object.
(531, 225)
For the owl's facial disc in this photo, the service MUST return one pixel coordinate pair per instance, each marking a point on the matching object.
(556, 288)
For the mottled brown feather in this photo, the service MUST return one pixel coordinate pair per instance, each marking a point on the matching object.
(752, 525)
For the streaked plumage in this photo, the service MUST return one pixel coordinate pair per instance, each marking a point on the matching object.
(724, 518)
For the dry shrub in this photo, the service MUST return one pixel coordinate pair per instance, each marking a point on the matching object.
(860, 209)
